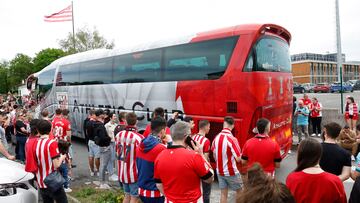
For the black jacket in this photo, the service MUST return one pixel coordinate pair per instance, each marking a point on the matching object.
(101, 137)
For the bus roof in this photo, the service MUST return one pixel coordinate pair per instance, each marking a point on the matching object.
(256, 29)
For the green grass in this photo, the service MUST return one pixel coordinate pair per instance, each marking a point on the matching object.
(89, 194)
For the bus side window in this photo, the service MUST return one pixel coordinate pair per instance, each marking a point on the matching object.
(250, 63)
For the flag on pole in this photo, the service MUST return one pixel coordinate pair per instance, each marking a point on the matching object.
(61, 16)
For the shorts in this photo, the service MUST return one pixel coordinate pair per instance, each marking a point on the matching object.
(94, 150)
(354, 117)
(131, 189)
(232, 182)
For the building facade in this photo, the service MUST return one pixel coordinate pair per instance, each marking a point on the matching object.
(319, 68)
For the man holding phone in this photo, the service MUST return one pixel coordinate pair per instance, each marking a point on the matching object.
(302, 113)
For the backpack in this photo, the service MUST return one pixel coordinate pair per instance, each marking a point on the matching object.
(101, 137)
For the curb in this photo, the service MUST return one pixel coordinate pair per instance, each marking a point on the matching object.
(73, 198)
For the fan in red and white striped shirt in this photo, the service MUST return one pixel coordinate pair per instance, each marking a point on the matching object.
(46, 151)
(204, 128)
(203, 141)
(226, 151)
(126, 143)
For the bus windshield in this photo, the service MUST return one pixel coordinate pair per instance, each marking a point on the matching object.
(269, 54)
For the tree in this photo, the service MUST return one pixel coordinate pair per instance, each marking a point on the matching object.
(45, 57)
(4, 73)
(19, 69)
(85, 39)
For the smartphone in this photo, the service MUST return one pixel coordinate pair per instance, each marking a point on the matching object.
(188, 141)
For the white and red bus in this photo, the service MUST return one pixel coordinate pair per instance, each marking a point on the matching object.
(242, 71)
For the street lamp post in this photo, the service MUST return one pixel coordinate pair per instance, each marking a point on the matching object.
(339, 55)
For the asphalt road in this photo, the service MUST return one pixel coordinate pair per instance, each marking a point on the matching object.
(331, 100)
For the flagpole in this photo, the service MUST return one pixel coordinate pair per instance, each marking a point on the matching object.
(73, 27)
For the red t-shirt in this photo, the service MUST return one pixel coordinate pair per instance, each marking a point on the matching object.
(176, 160)
(263, 150)
(306, 101)
(316, 188)
(59, 127)
(148, 130)
(31, 162)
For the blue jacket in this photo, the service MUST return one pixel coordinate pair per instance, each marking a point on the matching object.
(146, 154)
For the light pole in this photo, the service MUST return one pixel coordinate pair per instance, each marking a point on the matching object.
(339, 55)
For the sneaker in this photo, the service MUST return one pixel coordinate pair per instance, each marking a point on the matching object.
(352, 158)
(67, 190)
(96, 182)
(92, 173)
(289, 152)
(319, 135)
(104, 186)
(113, 178)
(313, 134)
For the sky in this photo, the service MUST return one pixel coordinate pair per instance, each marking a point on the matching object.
(132, 22)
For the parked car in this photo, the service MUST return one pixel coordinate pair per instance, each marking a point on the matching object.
(309, 87)
(336, 87)
(298, 88)
(322, 87)
(357, 85)
(352, 82)
(16, 185)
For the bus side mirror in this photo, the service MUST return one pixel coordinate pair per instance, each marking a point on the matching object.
(29, 83)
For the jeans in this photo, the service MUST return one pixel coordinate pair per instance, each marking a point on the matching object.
(112, 159)
(105, 159)
(20, 142)
(49, 197)
(63, 169)
(302, 129)
(206, 191)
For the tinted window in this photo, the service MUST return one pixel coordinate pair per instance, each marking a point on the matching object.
(198, 61)
(269, 54)
(138, 67)
(45, 80)
(68, 75)
(96, 72)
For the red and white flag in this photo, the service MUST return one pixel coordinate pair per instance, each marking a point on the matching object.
(61, 16)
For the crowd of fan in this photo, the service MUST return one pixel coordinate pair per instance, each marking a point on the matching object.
(168, 163)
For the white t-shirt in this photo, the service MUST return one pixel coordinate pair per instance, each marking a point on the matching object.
(110, 127)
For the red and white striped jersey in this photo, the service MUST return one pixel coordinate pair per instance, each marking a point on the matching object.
(126, 143)
(203, 141)
(46, 150)
(225, 148)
